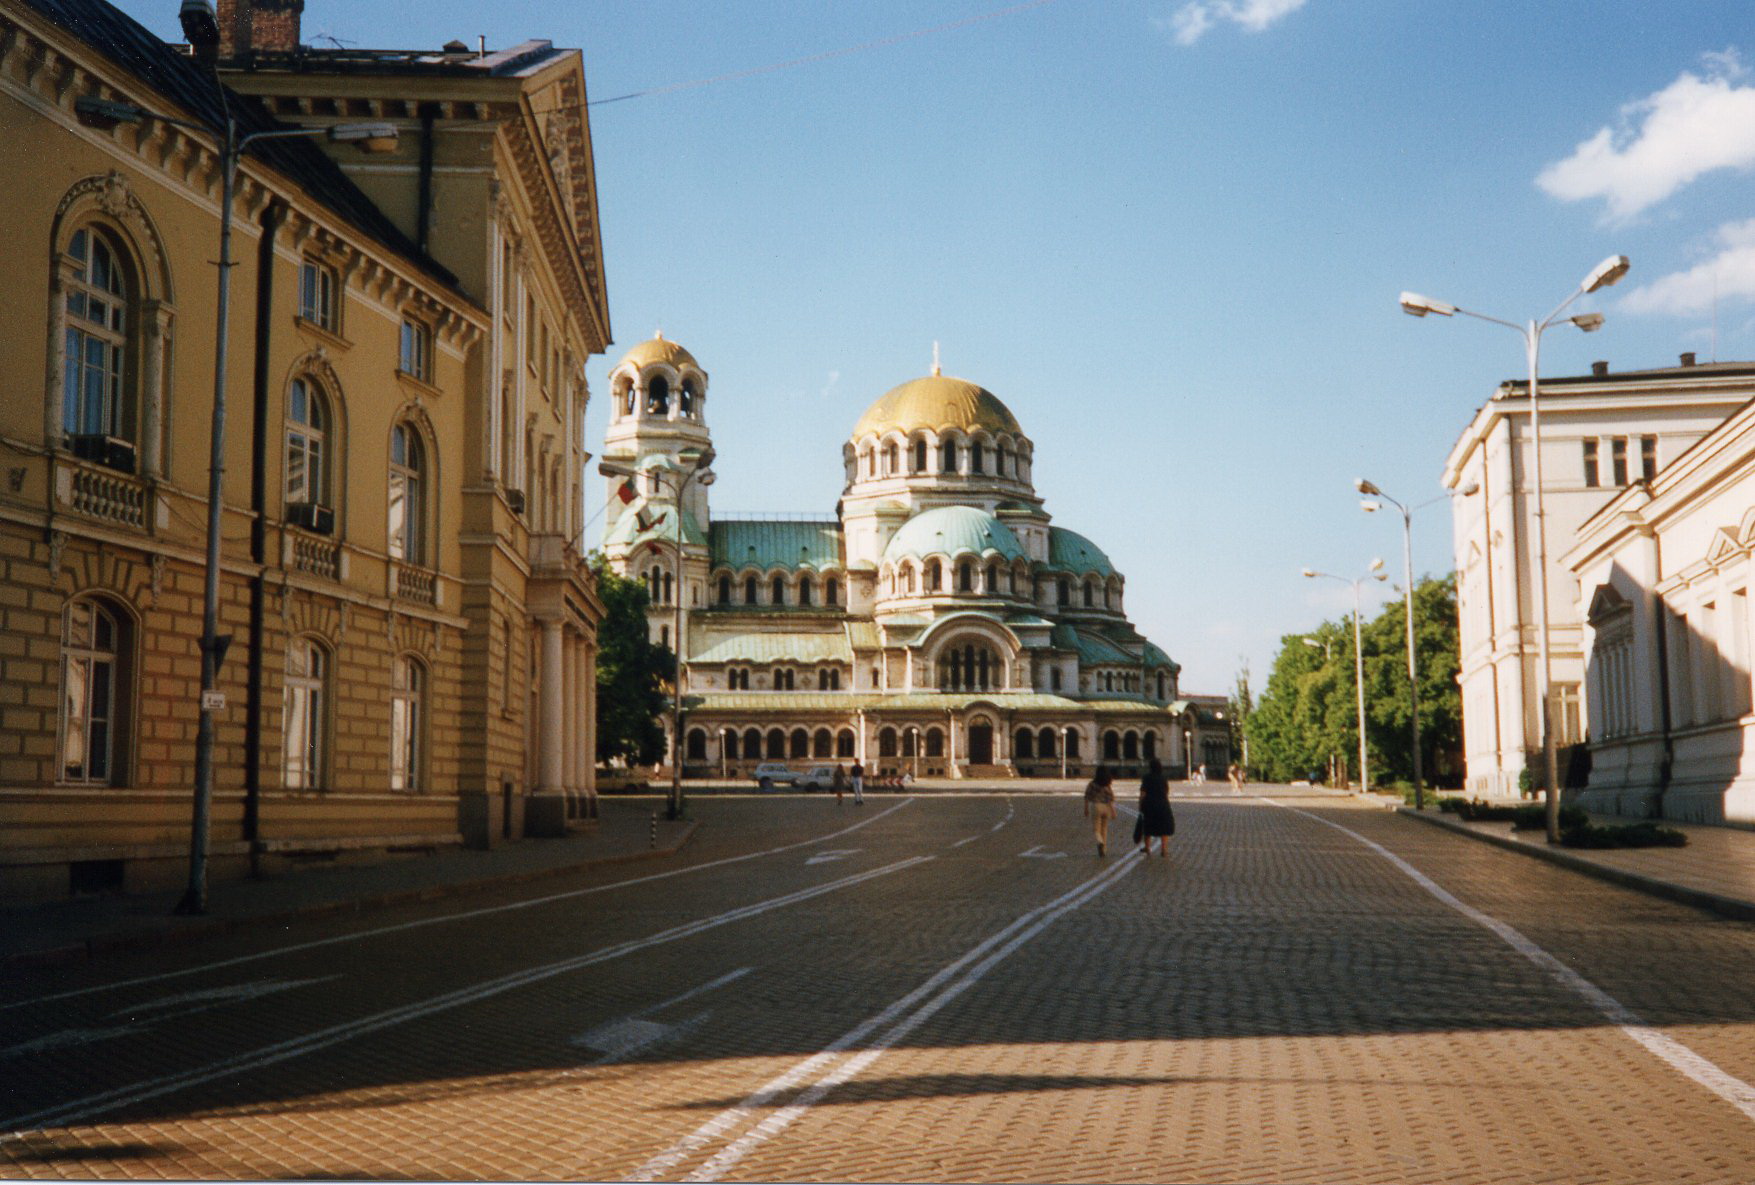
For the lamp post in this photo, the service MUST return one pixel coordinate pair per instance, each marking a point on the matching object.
(1064, 730)
(231, 143)
(1322, 644)
(1375, 572)
(914, 748)
(1608, 272)
(696, 462)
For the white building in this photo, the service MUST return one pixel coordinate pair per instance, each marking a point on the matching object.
(937, 623)
(1601, 433)
(1663, 573)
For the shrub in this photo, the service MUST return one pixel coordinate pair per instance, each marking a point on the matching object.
(1535, 818)
(1623, 835)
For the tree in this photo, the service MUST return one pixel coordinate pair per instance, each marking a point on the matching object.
(1308, 711)
(632, 673)
(1242, 704)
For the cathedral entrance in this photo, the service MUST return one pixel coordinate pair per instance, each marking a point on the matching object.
(981, 743)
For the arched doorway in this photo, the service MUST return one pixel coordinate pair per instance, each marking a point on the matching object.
(980, 743)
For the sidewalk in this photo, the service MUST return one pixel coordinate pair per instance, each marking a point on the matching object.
(1716, 871)
(65, 931)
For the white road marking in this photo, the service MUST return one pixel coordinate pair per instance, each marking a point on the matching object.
(67, 1038)
(1733, 1090)
(142, 1017)
(461, 916)
(81, 1109)
(232, 993)
(925, 1000)
(1007, 818)
(1036, 853)
(829, 857)
(618, 1038)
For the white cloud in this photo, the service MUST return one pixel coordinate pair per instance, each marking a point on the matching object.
(1191, 22)
(1730, 273)
(1700, 122)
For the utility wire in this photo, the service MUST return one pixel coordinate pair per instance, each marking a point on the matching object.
(881, 43)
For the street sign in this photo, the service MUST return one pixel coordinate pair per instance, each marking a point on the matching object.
(213, 701)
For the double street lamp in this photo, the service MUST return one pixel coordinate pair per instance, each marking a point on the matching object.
(1372, 491)
(695, 468)
(1322, 644)
(1374, 572)
(231, 142)
(1608, 272)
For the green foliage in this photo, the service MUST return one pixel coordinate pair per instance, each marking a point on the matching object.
(1576, 829)
(1623, 835)
(1535, 818)
(632, 673)
(1307, 712)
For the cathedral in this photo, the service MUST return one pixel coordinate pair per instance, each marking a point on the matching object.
(935, 624)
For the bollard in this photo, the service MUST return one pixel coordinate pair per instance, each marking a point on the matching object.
(654, 829)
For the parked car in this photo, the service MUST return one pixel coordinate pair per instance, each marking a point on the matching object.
(770, 774)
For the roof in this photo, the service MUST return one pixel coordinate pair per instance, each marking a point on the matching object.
(862, 634)
(661, 527)
(937, 403)
(952, 531)
(757, 647)
(658, 351)
(1096, 650)
(1072, 552)
(525, 58)
(754, 543)
(756, 703)
(181, 81)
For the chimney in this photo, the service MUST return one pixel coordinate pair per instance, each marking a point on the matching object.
(258, 26)
(1688, 358)
(1599, 369)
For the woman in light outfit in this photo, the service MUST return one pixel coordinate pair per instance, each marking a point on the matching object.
(1100, 805)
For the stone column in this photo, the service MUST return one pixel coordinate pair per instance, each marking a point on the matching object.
(569, 716)
(547, 815)
(589, 708)
(156, 321)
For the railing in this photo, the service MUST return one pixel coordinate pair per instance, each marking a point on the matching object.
(103, 494)
(319, 557)
(417, 584)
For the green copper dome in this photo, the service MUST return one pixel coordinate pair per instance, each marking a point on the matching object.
(953, 531)
(1070, 551)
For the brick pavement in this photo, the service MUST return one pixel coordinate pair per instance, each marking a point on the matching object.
(1275, 1002)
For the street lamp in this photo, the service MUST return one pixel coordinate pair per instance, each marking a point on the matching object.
(231, 142)
(696, 462)
(1327, 656)
(1608, 272)
(1374, 572)
(1064, 732)
(914, 748)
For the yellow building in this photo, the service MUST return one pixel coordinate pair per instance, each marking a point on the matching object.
(411, 625)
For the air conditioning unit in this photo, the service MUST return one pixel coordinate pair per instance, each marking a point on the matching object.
(110, 451)
(312, 516)
(515, 499)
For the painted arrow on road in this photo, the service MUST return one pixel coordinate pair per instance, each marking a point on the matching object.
(1036, 853)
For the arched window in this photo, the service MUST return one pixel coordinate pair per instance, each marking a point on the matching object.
(999, 459)
(933, 578)
(1063, 587)
(829, 679)
(892, 463)
(948, 457)
(831, 592)
(1130, 747)
(669, 592)
(804, 590)
(800, 743)
(935, 742)
(782, 679)
(1149, 743)
(821, 743)
(920, 456)
(1111, 746)
(96, 688)
(844, 743)
(1045, 743)
(1024, 745)
(1161, 686)
(752, 744)
(910, 579)
(307, 450)
(305, 748)
(778, 591)
(1090, 593)
(990, 584)
(910, 742)
(887, 743)
(776, 744)
(728, 744)
(94, 402)
(749, 590)
(870, 459)
(697, 750)
(657, 395)
(965, 577)
(1072, 745)
(408, 682)
(686, 400)
(407, 495)
(725, 590)
(975, 461)
(971, 667)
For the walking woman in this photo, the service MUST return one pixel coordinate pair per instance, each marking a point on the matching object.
(1100, 805)
(1155, 815)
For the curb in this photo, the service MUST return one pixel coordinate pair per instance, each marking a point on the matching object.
(177, 932)
(1730, 907)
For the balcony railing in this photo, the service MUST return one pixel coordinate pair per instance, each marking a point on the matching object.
(318, 557)
(105, 494)
(420, 585)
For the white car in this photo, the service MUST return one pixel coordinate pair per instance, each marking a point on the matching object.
(770, 774)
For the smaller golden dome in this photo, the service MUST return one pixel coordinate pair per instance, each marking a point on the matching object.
(658, 350)
(938, 403)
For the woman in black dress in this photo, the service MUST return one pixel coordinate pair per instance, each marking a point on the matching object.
(1155, 816)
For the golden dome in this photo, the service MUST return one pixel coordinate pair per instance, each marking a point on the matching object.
(658, 350)
(937, 403)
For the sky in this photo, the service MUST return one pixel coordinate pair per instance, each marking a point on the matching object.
(1168, 234)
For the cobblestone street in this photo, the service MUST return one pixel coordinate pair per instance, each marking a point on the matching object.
(938, 987)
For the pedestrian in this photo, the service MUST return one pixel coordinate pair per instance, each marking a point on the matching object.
(858, 784)
(1156, 818)
(1236, 772)
(1100, 805)
(839, 783)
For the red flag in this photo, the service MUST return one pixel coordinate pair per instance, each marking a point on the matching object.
(626, 492)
